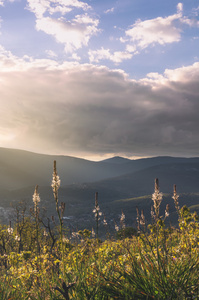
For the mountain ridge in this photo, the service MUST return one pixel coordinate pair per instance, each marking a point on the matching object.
(21, 170)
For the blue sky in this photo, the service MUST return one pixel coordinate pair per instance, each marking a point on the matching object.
(100, 78)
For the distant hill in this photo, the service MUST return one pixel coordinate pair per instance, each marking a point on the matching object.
(121, 183)
(117, 160)
(19, 168)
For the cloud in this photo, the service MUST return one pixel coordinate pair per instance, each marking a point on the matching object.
(195, 11)
(162, 31)
(76, 108)
(156, 31)
(148, 33)
(74, 56)
(179, 8)
(105, 54)
(39, 8)
(51, 53)
(110, 10)
(73, 33)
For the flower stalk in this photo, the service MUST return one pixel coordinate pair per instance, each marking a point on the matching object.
(60, 210)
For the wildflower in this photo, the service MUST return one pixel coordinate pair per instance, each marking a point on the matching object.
(17, 238)
(75, 234)
(105, 222)
(10, 230)
(138, 219)
(167, 211)
(35, 197)
(157, 198)
(116, 227)
(45, 233)
(122, 220)
(65, 240)
(93, 233)
(142, 218)
(175, 198)
(56, 180)
(152, 213)
(96, 210)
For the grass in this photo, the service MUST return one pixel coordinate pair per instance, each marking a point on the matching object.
(41, 259)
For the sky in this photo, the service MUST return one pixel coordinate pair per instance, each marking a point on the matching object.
(96, 78)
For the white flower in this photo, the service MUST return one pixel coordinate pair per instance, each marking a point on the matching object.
(65, 240)
(167, 211)
(116, 227)
(152, 213)
(17, 238)
(93, 233)
(157, 198)
(10, 230)
(75, 234)
(175, 198)
(104, 222)
(122, 218)
(142, 218)
(45, 233)
(56, 180)
(35, 197)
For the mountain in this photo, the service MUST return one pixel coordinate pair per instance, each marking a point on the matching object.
(117, 160)
(20, 169)
(122, 184)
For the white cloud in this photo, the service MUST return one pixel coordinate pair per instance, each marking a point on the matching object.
(179, 8)
(190, 22)
(51, 53)
(73, 33)
(159, 30)
(156, 31)
(2, 2)
(110, 10)
(105, 54)
(183, 74)
(40, 7)
(195, 11)
(75, 57)
(147, 33)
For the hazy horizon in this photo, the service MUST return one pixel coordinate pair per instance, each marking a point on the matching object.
(96, 158)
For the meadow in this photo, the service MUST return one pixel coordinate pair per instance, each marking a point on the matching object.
(41, 259)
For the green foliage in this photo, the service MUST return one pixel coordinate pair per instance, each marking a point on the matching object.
(161, 264)
(42, 260)
(126, 232)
